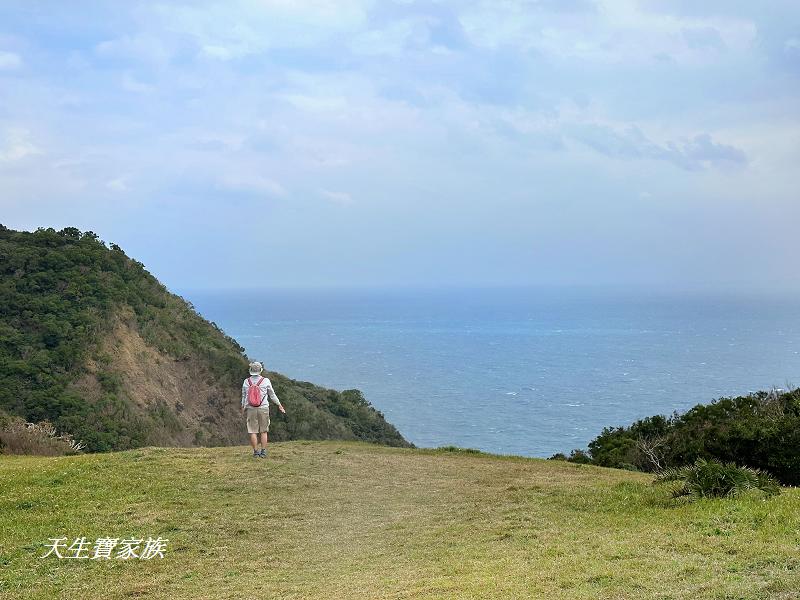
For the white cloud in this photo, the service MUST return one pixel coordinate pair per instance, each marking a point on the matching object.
(692, 153)
(249, 183)
(9, 61)
(390, 40)
(316, 103)
(342, 198)
(120, 184)
(238, 28)
(131, 84)
(618, 32)
(219, 52)
(145, 47)
(18, 145)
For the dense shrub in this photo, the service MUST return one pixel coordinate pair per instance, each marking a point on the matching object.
(760, 430)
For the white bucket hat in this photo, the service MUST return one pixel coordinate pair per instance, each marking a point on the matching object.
(256, 368)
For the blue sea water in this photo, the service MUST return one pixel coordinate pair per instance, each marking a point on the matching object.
(517, 371)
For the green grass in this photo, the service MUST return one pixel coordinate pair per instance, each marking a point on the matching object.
(350, 520)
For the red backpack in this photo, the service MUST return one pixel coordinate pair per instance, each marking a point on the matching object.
(254, 392)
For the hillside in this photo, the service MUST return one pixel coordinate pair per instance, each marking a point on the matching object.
(323, 520)
(92, 342)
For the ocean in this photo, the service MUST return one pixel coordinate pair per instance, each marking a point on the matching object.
(517, 371)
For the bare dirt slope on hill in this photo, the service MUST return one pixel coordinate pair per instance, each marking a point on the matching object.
(185, 402)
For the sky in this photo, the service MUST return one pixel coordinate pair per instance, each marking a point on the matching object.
(260, 143)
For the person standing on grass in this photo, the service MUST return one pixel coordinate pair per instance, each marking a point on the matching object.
(256, 393)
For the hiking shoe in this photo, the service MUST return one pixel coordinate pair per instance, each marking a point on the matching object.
(256, 454)
(263, 453)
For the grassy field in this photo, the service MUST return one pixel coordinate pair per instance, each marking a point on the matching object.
(349, 520)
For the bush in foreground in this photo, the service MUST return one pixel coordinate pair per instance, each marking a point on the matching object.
(715, 479)
(458, 450)
(19, 437)
(760, 430)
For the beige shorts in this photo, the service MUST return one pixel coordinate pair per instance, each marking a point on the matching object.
(257, 418)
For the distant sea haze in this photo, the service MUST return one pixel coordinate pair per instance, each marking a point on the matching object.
(517, 371)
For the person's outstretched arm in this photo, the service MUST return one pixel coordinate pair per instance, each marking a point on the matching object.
(274, 397)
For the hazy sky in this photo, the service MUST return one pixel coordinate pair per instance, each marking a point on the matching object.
(353, 142)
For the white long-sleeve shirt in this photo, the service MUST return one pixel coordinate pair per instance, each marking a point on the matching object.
(265, 387)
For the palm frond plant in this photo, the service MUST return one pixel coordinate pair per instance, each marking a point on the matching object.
(715, 479)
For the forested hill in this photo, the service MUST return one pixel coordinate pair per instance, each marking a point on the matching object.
(93, 343)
